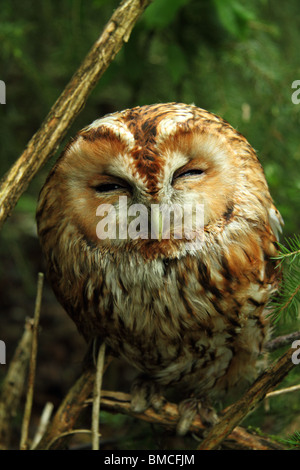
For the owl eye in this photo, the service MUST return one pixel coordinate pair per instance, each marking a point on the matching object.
(191, 172)
(107, 187)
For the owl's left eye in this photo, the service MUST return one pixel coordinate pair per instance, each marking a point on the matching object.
(107, 187)
(191, 172)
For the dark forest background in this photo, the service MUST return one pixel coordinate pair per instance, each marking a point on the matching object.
(235, 58)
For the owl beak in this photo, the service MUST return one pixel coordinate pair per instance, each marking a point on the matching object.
(156, 222)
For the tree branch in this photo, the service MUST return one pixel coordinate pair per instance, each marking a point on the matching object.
(280, 341)
(256, 393)
(239, 438)
(46, 140)
(117, 402)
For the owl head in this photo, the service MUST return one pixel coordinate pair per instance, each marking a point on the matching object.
(156, 179)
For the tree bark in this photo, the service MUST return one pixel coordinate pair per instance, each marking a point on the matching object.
(47, 139)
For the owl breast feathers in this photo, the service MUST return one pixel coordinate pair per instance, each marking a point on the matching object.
(182, 311)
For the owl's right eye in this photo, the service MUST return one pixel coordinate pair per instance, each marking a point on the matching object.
(108, 187)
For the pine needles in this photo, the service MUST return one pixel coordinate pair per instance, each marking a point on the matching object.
(287, 300)
(293, 440)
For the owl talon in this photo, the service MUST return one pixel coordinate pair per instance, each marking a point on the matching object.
(144, 394)
(189, 408)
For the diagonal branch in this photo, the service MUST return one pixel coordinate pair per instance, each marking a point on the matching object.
(256, 393)
(46, 140)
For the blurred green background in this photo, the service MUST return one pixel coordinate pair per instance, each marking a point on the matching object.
(235, 58)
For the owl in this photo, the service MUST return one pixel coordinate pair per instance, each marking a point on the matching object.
(182, 298)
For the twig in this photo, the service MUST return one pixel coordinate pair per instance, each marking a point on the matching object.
(44, 422)
(294, 388)
(47, 139)
(96, 397)
(256, 393)
(280, 341)
(13, 384)
(67, 434)
(282, 391)
(32, 364)
(68, 413)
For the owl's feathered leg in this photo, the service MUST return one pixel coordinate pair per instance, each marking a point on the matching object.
(189, 408)
(145, 392)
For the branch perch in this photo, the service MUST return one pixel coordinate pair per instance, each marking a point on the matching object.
(227, 428)
(47, 139)
(117, 402)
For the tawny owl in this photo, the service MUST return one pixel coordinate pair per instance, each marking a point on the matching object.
(185, 307)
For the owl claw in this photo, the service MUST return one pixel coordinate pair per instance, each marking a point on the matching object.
(189, 408)
(144, 394)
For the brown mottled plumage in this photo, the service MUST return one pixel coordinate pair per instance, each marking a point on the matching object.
(194, 317)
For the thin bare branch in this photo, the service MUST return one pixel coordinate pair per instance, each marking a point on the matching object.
(282, 391)
(70, 409)
(66, 434)
(97, 396)
(32, 364)
(44, 422)
(280, 341)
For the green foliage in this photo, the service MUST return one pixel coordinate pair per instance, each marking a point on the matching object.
(287, 301)
(161, 14)
(291, 251)
(293, 440)
(235, 17)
